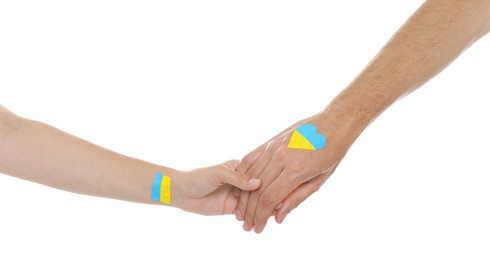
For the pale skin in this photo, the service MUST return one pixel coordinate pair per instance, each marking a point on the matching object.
(432, 38)
(40, 153)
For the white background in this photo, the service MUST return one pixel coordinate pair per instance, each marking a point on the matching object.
(193, 83)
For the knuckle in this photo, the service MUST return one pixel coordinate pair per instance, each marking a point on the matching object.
(266, 199)
(247, 160)
(274, 144)
(295, 174)
(281, 153)
(296, 167)
(293, 177)
(282, 186)
(241, 177)
(253, 171)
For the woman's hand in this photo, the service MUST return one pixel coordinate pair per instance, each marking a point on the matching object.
(208, 191)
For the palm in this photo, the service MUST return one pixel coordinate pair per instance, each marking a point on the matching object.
(217, 202)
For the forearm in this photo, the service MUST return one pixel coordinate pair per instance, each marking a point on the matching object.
(431, 39)
(37, 152)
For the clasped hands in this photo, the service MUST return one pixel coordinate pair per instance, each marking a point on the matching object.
(288, 176)
(270, 181)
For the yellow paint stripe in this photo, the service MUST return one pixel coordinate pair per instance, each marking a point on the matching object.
(298, 141)
(165, 190)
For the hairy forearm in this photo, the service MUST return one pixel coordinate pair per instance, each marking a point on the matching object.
(431, 39)
(40, 153)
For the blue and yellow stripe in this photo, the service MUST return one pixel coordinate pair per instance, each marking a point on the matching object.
(161, 188)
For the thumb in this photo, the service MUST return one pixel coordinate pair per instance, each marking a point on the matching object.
(228, 175)
(231, 164)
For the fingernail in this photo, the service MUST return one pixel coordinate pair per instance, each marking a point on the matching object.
(253, 181)
(238, 214)
(282, 218)
(246, 227)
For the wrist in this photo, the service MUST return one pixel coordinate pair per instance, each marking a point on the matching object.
(352, 111)
(176, 188)
(170, 183)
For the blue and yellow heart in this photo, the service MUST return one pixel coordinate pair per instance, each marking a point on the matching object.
(305, 137)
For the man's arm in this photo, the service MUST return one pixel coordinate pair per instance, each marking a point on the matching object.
(433, 37)
(41, 153)
(429, 41)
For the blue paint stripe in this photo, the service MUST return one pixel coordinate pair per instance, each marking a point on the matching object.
(319, 143)
(157, 182)
(308, 131)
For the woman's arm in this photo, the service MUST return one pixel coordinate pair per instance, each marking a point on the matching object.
(40, 153)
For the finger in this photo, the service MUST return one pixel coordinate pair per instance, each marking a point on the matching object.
(242, 205)
(230, 205)
(276, 209)
(272, 196)
(242, 168)
(261, 162)
(232, 164)
(250, 159)
(253, 171)
(236, 192)
(241, 181)
(297, 196)
(268, 175)
(240, 194)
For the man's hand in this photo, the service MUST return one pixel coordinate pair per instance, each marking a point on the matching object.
(433, 37)
(288, 175)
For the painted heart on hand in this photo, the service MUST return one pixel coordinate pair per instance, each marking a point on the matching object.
(305, 137)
